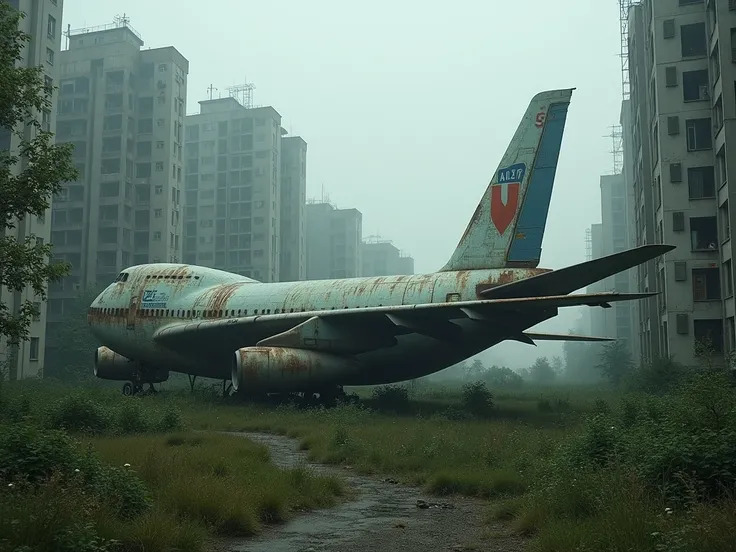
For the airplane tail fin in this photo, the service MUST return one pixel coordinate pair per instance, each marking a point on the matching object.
(508, 225)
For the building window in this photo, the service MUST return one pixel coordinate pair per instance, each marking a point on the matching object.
(693, 40)
(157, 213)
(695, 86)
(703, 233)
(706, 284)
(51, 27)
(159, 165)
(708, 335)
(157, 236)
(701, 182)
(34, 349)
(49, 56)
(699, 136)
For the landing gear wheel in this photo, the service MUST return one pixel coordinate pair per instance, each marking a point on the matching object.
(128, 389)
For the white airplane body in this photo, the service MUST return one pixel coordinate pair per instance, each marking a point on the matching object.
(317, 336)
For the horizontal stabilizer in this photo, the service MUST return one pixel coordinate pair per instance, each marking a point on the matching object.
(571, 278)
(565, 337)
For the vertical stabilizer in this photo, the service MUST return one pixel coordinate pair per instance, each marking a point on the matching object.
(508, 225)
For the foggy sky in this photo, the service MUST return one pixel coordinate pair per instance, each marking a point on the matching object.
(408, 107)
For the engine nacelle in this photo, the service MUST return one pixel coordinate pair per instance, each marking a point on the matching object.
(109, 365)
(273, 369)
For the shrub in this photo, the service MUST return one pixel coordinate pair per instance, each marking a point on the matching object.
(132, 418)
(79, 413)
(171, 420)
(394, 398)
(477, 399)
(27, 453)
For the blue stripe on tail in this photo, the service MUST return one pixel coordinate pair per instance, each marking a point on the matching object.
(526, 245)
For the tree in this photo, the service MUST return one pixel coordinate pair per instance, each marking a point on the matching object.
(71, 344)
(615, 361)
(557, 365)
(474, 371)
(501, 377)
(541, 371)
(29, 175)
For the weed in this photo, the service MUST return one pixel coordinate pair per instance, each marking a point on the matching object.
(477, 399)
(391, 398)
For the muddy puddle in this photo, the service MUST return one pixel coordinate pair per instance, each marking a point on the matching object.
(379, 516)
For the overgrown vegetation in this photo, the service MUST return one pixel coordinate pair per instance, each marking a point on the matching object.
(89, 470)
(577, 468)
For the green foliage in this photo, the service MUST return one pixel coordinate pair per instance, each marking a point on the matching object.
(78, 412)
(477, 399)
(659, 376)
(30, 174)
(541, 371)
(392, 398)
(615, 361)
(501, 377)
(112, 493)
(27, 453)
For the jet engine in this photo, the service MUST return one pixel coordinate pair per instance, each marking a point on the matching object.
(273, 369)
(109, 365)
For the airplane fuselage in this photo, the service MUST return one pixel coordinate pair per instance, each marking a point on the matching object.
(148, 298)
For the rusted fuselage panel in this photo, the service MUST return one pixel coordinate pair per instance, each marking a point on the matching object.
(125, 317)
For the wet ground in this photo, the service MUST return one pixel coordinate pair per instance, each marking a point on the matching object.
(381, 516)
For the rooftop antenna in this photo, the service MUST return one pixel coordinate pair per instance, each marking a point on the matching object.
(243, 93)
(121, 20)
(210, 89)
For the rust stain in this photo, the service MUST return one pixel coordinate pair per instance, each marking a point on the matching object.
(507, 277)
(220, 295)
(461, 280)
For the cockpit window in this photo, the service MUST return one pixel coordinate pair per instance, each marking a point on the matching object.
(122, 277)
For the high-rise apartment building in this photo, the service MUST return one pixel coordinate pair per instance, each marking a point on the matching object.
(123, 109)
(383, 258)
(293, 248)
(43, 24)
(609, 237)
(334, 240)
(232, 181)
(683, 107)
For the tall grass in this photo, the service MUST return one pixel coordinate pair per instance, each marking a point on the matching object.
(128, 476)
(585, 469)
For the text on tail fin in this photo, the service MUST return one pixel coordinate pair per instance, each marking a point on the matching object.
(508, 224)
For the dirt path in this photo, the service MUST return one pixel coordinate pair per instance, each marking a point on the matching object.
(383, 517)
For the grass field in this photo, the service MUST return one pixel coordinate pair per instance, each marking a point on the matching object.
(583, 469)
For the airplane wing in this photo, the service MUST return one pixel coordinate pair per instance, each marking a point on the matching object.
(565, 337)
(571, 278)
(352, 331)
